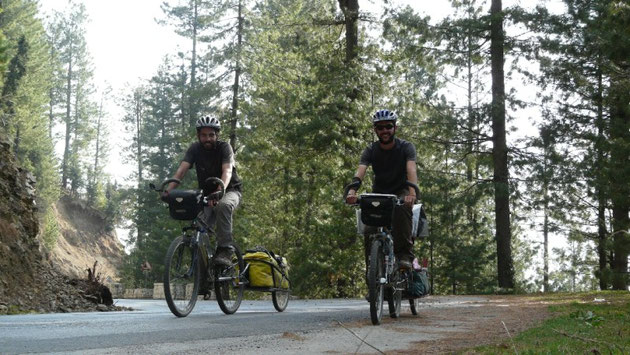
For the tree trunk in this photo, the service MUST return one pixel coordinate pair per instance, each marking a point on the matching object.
(237, 76)
(350, 10)
(193, 67)
(619, 183)
(66, 149)
(602, 234)
(138, 116)
(500, 151)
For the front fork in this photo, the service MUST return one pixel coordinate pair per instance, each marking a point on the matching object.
(387, 245)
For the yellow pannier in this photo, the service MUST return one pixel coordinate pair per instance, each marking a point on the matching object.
(261, 264)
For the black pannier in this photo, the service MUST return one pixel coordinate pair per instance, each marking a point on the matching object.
(377, 209)
(185, 205)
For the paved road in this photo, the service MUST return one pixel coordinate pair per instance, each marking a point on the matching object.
(306, 325)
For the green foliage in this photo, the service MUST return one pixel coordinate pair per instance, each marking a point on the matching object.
(24, 96)
(50, 229)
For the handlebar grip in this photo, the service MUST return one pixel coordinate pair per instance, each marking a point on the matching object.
(346, 189)
(168, 181)
(415, 187)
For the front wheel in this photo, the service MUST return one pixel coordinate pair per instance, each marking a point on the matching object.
(227, 283)
(280, 299)
(181, 276)
(376, 273)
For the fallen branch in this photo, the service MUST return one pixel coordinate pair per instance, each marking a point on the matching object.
(358, 337)
(510, 336)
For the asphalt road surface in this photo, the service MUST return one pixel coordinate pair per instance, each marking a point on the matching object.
(312, 326)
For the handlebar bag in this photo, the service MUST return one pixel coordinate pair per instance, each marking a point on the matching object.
(377, 209)
(266, 270)
(185, 205)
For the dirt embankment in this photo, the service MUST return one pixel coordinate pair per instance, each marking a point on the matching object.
(84, 239)
(28, 281)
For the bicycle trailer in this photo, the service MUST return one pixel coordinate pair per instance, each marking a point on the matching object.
(266, 270)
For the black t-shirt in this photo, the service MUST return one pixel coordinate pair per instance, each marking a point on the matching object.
(390, 166)
(208, 163)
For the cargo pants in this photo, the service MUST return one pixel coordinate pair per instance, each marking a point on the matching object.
(221, 215)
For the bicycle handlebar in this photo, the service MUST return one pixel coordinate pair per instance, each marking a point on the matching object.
(357, 183)
(217, 195)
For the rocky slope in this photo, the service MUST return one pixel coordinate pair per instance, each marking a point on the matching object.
(28, 282)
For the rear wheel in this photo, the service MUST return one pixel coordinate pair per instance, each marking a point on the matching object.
(413, 305)
(376, 272)
(394, 298)
(280, 299)
(227, 283)
(181, 276)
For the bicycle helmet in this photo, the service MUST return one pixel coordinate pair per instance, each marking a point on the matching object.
(208, 121)
(384, 115)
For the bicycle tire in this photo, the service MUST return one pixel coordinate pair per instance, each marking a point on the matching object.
(229, 292)
(280, 300)
(413, 305)
(181, 269)
(394, 298)
(375, 287)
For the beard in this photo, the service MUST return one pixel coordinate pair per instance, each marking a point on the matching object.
(389, 140)
(207, 145)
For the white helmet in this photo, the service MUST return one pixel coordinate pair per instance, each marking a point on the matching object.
(208, 121)
(384, 115)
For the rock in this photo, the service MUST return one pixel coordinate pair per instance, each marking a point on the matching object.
(4, 309)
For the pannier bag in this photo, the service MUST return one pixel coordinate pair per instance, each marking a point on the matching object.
(420, 225)
(266, 269)
(377, 209)
(184, 205)
(419, 285)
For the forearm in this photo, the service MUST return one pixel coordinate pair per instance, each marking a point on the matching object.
(412, 176)
(179, 175)
(226, 174)
(360, 174)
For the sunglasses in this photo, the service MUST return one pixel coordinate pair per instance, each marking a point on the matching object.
(385, 126)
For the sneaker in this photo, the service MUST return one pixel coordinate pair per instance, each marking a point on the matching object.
(222, 257)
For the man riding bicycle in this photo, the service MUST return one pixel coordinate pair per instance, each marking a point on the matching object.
(213, 158)
(394, 163)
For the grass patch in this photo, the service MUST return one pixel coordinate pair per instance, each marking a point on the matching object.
(593, 322)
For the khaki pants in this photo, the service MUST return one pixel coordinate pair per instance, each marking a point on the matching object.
(221, 215)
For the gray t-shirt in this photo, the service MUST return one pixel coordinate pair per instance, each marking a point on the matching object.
(390, 166)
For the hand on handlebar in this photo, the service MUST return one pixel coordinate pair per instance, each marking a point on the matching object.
(410, 200)
(351, 198)
(213, 198)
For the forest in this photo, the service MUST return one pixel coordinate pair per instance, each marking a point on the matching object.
(520, 117)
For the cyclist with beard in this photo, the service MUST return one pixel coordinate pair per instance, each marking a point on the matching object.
(394, 162)
(213, 158)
